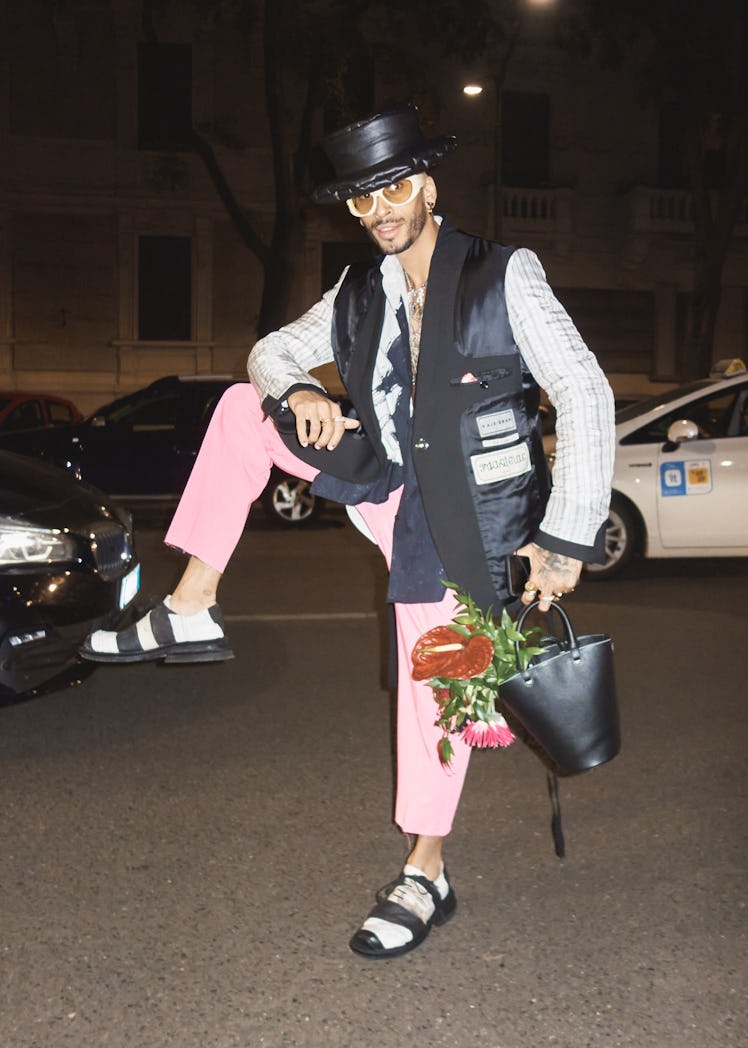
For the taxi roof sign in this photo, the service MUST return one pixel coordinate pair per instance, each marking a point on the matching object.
(727, 367)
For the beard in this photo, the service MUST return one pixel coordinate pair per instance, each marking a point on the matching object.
(409, 232)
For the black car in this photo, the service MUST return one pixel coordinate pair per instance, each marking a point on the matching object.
(141, 448)
(67, 566)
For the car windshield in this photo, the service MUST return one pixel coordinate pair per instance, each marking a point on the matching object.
(643, 407)
(133, 404)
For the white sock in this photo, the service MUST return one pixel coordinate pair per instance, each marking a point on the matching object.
(441, 884)
(195, 627)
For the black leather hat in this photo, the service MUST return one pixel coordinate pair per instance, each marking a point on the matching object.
(375, 152)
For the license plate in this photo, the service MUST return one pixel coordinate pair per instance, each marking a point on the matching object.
(129, 587)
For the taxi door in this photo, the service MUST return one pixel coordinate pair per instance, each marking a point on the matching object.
(702, 485)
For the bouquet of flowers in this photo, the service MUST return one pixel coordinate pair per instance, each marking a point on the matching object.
(465, 663)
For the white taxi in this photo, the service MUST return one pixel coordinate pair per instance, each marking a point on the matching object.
(680, 485)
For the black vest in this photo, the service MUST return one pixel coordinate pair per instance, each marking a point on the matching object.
(476, 439)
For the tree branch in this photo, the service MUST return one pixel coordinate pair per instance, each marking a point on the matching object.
(254, 242)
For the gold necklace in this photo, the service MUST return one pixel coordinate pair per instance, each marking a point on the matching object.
(416, 301)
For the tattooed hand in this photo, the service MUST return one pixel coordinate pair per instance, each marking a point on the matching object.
(551, 574)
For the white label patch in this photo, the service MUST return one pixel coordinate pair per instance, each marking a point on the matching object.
(500, 442)
(493, 466)
(496, 424)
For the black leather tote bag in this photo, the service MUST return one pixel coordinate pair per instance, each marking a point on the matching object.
(566, 698)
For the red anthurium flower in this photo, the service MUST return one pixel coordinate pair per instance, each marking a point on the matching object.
(443, 652)
(465, 662)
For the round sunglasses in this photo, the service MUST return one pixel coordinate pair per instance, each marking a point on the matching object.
(397, 194)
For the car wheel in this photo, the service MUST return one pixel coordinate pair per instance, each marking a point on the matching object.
(288, 500)
(620, 541)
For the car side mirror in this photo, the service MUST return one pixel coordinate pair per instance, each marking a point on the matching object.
(680, 432)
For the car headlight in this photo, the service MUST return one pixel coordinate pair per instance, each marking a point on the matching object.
(24, 544)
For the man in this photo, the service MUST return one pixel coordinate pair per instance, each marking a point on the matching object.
(442, 344)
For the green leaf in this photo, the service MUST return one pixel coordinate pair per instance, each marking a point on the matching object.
(445, 750)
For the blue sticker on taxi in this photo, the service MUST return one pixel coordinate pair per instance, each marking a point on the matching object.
(686, 478)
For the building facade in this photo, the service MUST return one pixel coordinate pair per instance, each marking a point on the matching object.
(119, 264)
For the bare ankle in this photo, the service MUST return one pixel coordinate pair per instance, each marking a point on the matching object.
(190, 605)
(427, 856)
(431, 869)
(197, 588)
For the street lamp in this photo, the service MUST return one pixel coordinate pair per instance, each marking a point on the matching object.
(473, 90)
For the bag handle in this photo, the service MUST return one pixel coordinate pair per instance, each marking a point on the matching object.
(570, 635)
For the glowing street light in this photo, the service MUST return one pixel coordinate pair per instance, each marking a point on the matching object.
(475, 88)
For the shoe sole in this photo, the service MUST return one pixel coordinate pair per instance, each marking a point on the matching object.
(175, 653)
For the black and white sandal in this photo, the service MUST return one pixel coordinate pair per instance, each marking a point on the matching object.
(163, 634)
(402, 920)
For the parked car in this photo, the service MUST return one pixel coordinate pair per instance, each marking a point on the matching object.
(680, 485)
(67, 566)
(30, 410)
(141, 447)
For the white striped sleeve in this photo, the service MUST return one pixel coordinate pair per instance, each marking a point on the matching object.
(563, 366)
(285, 357)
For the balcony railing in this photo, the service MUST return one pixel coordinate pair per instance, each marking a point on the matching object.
(545, 213)
(670, 211)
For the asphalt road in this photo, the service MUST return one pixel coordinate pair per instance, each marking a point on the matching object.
(185, 851)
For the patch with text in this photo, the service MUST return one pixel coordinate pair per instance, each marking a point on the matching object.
(489, 467)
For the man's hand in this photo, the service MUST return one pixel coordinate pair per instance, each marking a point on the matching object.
(551, 575)
(318, 420)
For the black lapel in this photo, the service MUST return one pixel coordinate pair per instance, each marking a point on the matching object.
(361, 370)
(438, 315)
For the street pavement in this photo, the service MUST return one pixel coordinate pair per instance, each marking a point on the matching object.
(185, 851)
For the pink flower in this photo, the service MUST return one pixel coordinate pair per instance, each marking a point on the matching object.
(486, 735)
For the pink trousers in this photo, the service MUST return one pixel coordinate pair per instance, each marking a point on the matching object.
(230, 472)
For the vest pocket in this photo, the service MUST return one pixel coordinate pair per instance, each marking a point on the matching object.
(499, 453)
(477, 378)
(483, 379)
